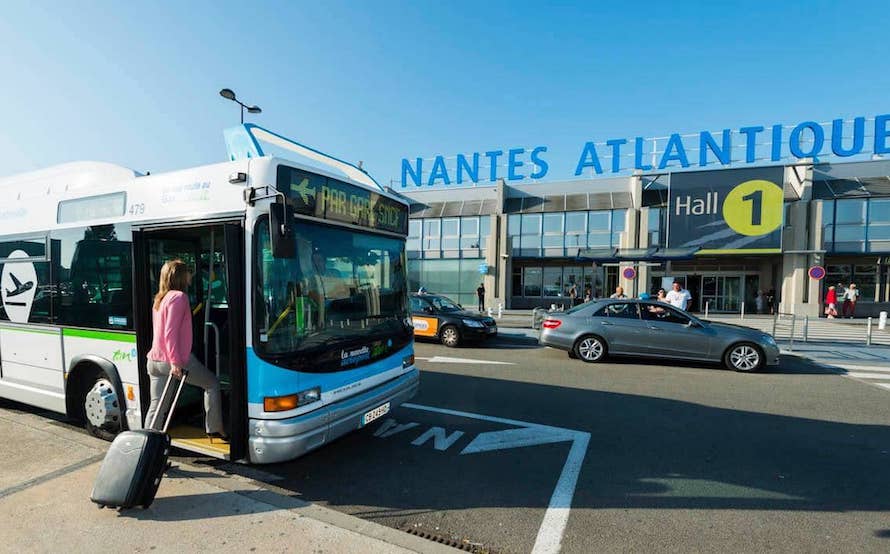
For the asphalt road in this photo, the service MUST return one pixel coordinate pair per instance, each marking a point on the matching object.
(680, 458)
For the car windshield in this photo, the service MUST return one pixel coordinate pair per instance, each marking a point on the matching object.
(443, 304)
(344, 290)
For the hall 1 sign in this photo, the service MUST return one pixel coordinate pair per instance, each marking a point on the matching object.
(725, 212)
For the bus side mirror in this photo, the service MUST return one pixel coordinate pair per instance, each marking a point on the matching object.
(281, 222)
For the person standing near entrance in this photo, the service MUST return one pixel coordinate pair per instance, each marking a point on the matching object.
(851, 296)
(480, 294)
(679, 297)
(760, 302)
(573, 294)
(171, 348)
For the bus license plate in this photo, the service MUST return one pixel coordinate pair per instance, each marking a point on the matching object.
(375, 413)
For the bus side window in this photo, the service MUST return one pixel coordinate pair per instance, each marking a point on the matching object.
(93, 275)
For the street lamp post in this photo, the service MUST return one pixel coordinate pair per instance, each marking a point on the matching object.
(229, 94)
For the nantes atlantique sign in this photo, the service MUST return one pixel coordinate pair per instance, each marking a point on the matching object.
(755, 145)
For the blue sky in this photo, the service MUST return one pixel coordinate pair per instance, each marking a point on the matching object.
(136, 83)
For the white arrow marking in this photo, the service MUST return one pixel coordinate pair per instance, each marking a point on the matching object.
(447, 360)
(517, 438)
(549, 539)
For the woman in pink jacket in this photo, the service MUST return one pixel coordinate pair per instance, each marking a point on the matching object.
(171, 347)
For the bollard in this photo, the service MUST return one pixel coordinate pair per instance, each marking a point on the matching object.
(489, 311)
(707, 305)
(791, 337)
(882, 321)
(743, 311)
(868, 333)
(806, 328)
(500, 309)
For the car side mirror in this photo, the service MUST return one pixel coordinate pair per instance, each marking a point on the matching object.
(692, 324)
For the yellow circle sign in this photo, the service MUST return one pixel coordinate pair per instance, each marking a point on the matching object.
(754, 208)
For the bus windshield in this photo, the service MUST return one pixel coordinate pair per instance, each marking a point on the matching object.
(339, 304)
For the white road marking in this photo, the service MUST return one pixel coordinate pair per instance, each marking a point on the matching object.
(517, 438)
(549, 538)
(883, 385)
(857, 367)
(440, 440)
(862, 375)
(448, 360)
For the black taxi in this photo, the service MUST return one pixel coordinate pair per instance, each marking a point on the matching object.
(437, 316)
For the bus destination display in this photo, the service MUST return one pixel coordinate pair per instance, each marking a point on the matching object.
(326, 198)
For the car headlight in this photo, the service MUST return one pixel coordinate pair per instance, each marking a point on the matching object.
(472, 323)
(768, 339)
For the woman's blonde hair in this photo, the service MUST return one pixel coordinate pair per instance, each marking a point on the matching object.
(174, 276)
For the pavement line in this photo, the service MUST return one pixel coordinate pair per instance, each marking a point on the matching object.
(556, 517)
(549, 538)
(873, 368)
(862, 375)
(51, 475)
(883, 385)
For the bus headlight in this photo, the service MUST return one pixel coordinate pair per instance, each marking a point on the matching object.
(291, 401)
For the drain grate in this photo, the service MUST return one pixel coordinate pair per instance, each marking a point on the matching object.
(465, 545)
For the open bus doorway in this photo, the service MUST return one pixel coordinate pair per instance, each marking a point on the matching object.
(216, 296)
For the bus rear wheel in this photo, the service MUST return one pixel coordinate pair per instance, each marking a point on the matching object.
(102, 412)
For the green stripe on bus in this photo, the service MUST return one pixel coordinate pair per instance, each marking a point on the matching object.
(26, 330)
(100, 335)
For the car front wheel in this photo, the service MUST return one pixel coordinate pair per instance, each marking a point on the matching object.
(450, 336)
(590, 349)
(743, 357)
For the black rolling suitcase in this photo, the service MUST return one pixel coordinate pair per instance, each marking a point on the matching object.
(135, 463)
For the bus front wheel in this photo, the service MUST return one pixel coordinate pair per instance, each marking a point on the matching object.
(102, 407)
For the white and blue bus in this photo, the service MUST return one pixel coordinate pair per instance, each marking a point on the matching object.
(299, 296)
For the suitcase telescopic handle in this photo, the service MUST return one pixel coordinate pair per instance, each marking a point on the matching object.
(154, 418)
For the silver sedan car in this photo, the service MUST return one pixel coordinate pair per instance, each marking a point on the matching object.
(654, 329)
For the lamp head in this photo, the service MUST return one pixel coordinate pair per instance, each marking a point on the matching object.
(227, 93)
(254, 109)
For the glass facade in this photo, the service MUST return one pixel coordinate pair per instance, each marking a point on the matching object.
(449, 237)
(542, 285)
(456, 279)
(856, 225)
(562, 234)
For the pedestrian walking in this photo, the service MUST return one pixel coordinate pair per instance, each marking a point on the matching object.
(480, 294)
(587, 295)
(619, 293)
(771, 301)
(171, 348)
(850, 296)
(831, 303)
(679, 297)
(573, 294)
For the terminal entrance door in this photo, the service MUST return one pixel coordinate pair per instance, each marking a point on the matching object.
(215, 255)
(721, 293)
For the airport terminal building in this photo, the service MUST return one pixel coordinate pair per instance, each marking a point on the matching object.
(725, 234)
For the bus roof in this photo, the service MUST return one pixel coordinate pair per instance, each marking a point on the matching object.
(93, 193)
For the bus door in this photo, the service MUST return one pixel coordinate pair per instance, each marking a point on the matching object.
(215, 255)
